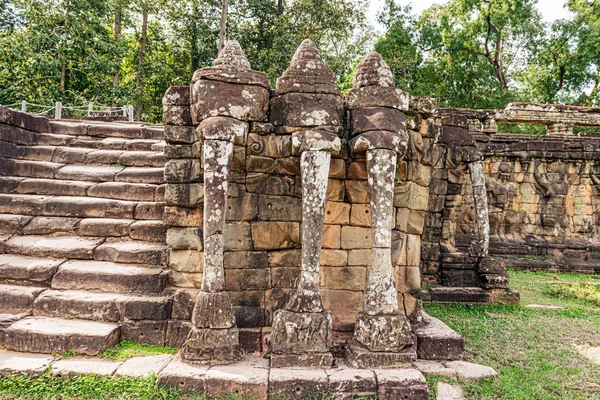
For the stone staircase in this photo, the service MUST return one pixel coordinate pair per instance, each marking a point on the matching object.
(82, 243)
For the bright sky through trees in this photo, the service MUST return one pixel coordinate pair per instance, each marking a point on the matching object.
(551, 10)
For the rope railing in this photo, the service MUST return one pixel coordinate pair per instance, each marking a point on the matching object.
(90, 110)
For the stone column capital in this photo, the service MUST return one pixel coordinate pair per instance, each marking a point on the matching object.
(223, 128)
(385, 140)
(315, 140)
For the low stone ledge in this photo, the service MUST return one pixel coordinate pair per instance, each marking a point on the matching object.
(253, 377)
(437, 341)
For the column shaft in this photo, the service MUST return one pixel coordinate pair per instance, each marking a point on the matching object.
(217, 157)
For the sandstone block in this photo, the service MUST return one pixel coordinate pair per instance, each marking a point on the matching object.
(355, 238)
(186, 261)
(377, 119)
(275, 235)
(298, 333)
(248, 378)
(279, 208)
(184, 238)
(344, 305)
(331, 237)
(278, 185)
(344, 278)
(247, 279)
(237, 236)
(359, 356)
(334, 258)
(382, 332)
(180, 134)
(401, 383)
(359, 257)
(307, 110)
(410, 195)
(337, 213)
(297, 384)
(357, 191)
(243, 102)
(183, 171)
(212, 346)
(183, 217)
(176, 115)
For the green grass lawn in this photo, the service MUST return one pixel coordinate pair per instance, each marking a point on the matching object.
(537, 352)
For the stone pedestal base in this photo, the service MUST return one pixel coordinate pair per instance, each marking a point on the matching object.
(304, 360)
(212, 346)
(301, 339)
(382, 332)
(359, 356)
(213, 310)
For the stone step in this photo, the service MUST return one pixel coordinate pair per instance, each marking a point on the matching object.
(132, 252)
(109, 307)
(148, 230)
(13, 224)
(80, 172)
(52, 246)
(108, 190)
(71, 206)
(437, 341)
(18, 299)
(25, 270)
(109, 277)
(53, 139)
(120, 130)
(84, 155)
(56, 335)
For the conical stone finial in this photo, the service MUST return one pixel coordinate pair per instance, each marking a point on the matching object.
(232, 56)
(307, 73)
(373, 71)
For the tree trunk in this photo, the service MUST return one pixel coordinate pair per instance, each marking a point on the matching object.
(222, 31)
(138, 111)
(280, 6)
(63, 68)
(117, 36)
(195, 57)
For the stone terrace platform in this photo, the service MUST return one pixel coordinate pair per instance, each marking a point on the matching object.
(252, 376)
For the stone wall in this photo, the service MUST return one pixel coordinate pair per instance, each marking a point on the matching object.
(262, 235)
(542, 191)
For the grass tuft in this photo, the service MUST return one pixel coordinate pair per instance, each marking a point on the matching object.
(585, 292)
(83, 387)
(127, 349)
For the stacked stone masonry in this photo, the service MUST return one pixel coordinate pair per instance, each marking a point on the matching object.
(263, 238)
(542, 190)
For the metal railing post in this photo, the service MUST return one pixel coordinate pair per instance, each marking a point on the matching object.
(24, 105)
(90, 109)
(58, 110)
(130, 113)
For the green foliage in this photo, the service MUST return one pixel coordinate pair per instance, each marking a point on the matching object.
(486, 53)
(45, 387)
(127, 349)
(38, 39)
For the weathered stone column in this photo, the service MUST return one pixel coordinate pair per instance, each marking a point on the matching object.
(310, 106)
(224, 99)
(481, 208)
(381, 333)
